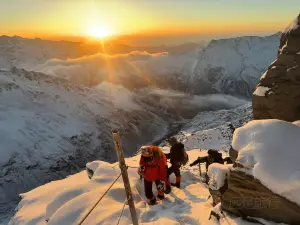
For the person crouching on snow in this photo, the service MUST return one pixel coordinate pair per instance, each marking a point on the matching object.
(178, 157)
(213, 157)
(153, 167)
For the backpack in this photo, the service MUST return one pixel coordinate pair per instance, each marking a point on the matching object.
(179, 157)
(185, 158)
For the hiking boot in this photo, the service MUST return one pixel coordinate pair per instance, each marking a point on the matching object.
(168, 190)
(176, 185)
(161, 196)
(151, 201)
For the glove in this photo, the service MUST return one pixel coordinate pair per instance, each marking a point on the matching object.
(161, 186)
(141, 170)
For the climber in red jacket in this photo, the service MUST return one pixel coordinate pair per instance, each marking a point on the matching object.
(153, 167)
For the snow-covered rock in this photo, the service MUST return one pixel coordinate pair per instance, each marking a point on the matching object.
(269, 149)
(261, 91)
(218, 180)
(294, 25)
(277, 93)
(217, 174)
(248, 198)
(264, 182)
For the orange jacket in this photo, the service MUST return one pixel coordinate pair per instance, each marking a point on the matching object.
(157, 168)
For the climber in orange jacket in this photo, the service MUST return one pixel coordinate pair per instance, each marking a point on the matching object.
(153, 167)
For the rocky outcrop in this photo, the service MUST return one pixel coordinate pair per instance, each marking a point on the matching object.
(277, 94)
(264, 181)
(248, 198)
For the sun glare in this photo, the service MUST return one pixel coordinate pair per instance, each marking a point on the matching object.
(99, 32)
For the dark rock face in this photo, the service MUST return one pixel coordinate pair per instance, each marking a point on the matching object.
(278, 92)
(247, 197)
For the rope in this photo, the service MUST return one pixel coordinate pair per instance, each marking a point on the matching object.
(121, 212)
(117, 164)
(136, 153)
(89, 212)
(126, 198)
(133, 167)
(142, 200)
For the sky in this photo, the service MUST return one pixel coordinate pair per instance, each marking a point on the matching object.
(67, 18)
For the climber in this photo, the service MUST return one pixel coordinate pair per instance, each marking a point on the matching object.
(153, 167)
(178, 157)
(213, 157)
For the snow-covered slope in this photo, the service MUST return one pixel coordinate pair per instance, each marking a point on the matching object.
(68, 201)
(27, 53)
(71, 198)
(234, 65)
(51, 128)
(214, 129)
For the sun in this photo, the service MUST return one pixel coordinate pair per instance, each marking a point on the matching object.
(99, 32)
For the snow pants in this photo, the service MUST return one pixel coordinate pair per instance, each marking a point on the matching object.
(148, 189)
(176, 170)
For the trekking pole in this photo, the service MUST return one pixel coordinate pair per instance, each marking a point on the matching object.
(200, 169)
(123, 167)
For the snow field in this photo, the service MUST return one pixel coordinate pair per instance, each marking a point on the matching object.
(67, 201)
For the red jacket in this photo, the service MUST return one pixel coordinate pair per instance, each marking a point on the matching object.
(157, 168)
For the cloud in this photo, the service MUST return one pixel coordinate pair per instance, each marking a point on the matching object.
(175, 104)
(93, 69)
(135, 71)
(141, 73)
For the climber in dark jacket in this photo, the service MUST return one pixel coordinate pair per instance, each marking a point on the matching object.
(176, 157)
(213, 157)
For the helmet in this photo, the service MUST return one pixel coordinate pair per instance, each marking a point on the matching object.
(146, 151)
(213, 155)
(172, 140)
(212, 152)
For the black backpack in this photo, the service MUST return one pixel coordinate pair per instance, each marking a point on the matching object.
(185, 158)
